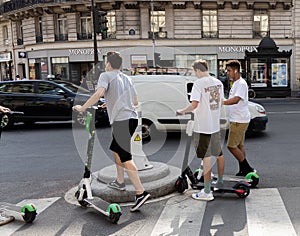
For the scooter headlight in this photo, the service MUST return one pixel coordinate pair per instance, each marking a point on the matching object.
(260, 109)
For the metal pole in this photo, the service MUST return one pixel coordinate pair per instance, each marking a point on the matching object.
(95, 34)
(152, 30)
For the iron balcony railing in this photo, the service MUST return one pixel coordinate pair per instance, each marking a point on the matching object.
(19, 4)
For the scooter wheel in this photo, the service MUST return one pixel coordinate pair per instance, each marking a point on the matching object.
(82, 203)
(181, 184)
(29, 216)
(254, 181)
(114, 217)
(242, 190)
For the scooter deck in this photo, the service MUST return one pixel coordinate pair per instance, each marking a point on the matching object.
(98, 204)
(241, 188)
(12, 207)
(253, 179)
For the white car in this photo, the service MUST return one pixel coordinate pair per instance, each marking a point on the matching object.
(161, 95)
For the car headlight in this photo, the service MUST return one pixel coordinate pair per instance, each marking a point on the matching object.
(260, 109)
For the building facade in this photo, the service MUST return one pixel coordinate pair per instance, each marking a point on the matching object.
(42, 37)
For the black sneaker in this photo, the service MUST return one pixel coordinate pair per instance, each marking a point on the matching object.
(140, 200)
(116, 185)
(245, 172)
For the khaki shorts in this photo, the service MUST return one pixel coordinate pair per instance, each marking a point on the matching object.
(208, 144)
(236, 134)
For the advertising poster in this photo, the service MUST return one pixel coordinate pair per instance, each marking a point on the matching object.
(258, 75)
(138, 61)
(279, 75)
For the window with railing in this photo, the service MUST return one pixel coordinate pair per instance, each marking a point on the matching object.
(158, 24)
(210, 24)
(261, 24)
(61, 30)
(19, 31)
(85, 27)
(39, 29)
(111, 24)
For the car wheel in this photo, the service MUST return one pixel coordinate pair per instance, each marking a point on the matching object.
(147, 129)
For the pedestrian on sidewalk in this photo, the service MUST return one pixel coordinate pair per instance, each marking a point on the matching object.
(239, 116)
(121, 100)
(206, 102)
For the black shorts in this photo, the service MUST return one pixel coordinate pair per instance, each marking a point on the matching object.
(122, 132)
(208, 145)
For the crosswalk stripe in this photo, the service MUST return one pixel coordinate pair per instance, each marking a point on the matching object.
(181, 216)
(267, 215)
(41, 204)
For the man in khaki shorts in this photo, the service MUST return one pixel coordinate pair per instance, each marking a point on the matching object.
(239, 116)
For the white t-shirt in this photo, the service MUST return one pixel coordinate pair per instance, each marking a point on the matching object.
(239, 112)
(208, 91)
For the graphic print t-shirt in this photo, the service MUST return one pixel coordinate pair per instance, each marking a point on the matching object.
(208, 91)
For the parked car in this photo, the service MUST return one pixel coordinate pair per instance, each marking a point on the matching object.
(43, 100)
(161, 95)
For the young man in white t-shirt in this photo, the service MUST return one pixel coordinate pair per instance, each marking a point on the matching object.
(239, 116)
(206, 101)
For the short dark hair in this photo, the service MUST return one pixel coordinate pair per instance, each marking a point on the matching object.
(201, 65)
(234, 64)
(115, 59)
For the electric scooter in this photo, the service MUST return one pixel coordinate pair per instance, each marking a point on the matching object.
(241, 188)
(251, 178)
(8, 211)
(84, 193)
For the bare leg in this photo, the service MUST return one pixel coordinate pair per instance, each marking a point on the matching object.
(120, 168)
(237, 153)
(221, 164)
(132, 173)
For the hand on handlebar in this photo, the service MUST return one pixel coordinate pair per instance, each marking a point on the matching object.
(78, 108)
(179, 113)
(4, 109)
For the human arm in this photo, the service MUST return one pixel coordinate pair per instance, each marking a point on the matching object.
(91, 101)
(4, 109)
(192, 106)
(232, 101)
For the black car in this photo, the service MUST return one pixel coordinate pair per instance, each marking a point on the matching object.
(42, 100)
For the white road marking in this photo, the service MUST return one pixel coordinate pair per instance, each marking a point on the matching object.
(41, 205)
(181, 216)
(267, 215)
(283, 112)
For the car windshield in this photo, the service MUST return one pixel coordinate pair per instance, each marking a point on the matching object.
(73, 87)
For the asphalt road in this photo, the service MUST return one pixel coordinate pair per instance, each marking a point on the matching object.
(45, 161)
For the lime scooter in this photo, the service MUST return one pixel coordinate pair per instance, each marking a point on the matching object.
(8, 211)
(84, 194)
(241, 188)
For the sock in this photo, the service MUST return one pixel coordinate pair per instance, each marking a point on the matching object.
(207, 187)
(220, 179)
(245, 165)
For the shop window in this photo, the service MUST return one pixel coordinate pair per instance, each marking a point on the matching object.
(111, 24)
(258, 72)
(60, 67)
(261, 24)
(186, 61)
(61, 28)
(158, 25)
(39, 29)
(279, 72)
(85, 27)
(209, 24)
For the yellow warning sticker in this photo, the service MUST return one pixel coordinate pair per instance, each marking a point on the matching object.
(137, 138)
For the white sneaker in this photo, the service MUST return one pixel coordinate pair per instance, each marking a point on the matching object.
(203, 196)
